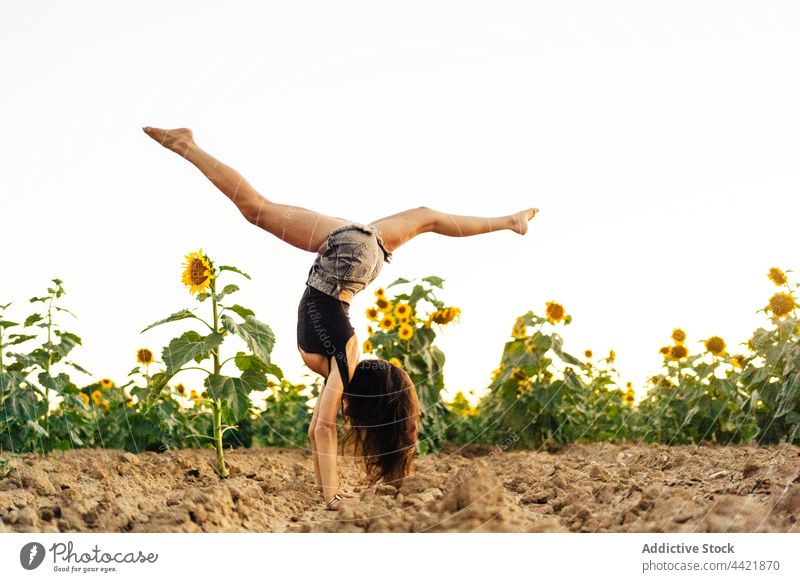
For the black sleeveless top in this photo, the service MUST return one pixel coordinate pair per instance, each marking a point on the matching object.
(323, 327)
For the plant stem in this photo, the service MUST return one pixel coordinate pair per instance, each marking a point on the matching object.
(49, 348)
(217, 404)
(217, 416)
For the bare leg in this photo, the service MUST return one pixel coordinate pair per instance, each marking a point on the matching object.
(399, 228)
(300, 227)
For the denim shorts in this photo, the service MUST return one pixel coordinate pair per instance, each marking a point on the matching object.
(352, 259)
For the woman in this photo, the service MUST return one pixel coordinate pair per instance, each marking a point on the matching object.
(378, 400)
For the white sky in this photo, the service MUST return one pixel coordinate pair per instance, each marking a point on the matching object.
(659, 141)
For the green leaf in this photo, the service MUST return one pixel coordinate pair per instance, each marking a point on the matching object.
(218, 385)
(178, 315)
(154, 387)
(275, 371)
(186, 347)
(235, 392)
(242, 312)
(67, 343)
(57, 308)
(434, 280)
(234, 269)
(229, 289)
(246, 361)
(399, 281)
(59, 383)
(31, 319)
(31, 424)
(5, 324)
(257, 335)
(17, 338)
(79, 368)
(789, 396)
(251, 380)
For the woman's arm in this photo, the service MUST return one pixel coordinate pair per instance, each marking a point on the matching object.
(325, 433)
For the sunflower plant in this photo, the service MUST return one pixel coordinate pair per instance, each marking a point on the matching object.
(286, 416)
(228, 397)
(545, 403)
(27, 402)
(407, 324)
(697, 397)
(770, 368)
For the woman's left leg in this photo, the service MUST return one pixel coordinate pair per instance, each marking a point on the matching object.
(300, 227)
(400, 228)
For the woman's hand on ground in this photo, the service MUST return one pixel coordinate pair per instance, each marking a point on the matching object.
(347, 494)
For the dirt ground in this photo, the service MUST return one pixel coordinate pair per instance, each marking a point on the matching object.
(582, 488)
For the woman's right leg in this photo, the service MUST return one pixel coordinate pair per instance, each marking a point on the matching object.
(300, 227)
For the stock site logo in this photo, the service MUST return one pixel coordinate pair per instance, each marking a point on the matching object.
(31, 555)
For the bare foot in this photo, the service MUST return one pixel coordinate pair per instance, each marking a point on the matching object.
(178, 140)
(519, 221)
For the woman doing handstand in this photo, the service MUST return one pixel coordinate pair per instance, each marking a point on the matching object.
(378, 399)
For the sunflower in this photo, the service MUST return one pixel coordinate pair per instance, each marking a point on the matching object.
(715, 345)
(372, 313)
(588, 353)
(666, 351)
(380, 292)
(130, 404)
(105, 404)
(554, 312)
(85, 398)
(777, 276)
(370, 330)
(518, 374)
(444, 316)
(387, 323)
(366, 347)
(665, 382)
(144, 356)
(97, 396)
(519, 330)
(404, 319)
(395, 362)
(629, 386)
(180, 389)
(383, 304)
(781, 304)
(402, 310)
(738, 361)
(197, 273)
(679, 336)
(497, 372)
(678, 352)
(629, 397)
(405, 331)
(106, 383)
(612, 355)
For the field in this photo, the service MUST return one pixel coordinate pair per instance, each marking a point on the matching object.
(582, 488)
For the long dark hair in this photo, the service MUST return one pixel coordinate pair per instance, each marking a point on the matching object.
(382, 420)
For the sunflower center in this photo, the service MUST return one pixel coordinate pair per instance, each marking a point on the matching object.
(198, 270)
